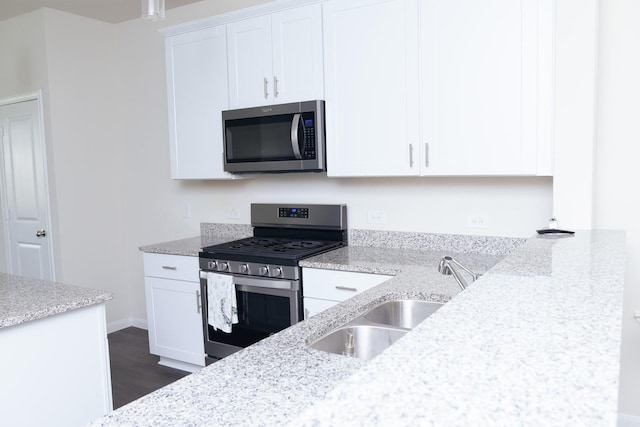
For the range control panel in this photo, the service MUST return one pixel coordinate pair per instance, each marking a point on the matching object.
(299, 215)
(293, 212)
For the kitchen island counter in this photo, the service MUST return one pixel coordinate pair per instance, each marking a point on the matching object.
(534, 341)
(55, 356)
(23, 299)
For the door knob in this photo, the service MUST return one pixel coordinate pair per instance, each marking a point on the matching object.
(41, 233)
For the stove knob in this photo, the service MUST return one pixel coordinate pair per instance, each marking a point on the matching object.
(264, 270)
(244, 268)
(211, 265)
(277, 272)
(223, 266)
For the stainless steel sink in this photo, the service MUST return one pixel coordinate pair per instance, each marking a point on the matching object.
(361, 341)
(367, 336)
(402, 313)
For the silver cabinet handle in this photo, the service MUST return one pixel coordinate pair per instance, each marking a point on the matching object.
(347, 288)
(169, 267)
(41, 233)
(198, 302)
(275, 87)
(266, 90)
(426, 154)
(295, 144)
(410, 155)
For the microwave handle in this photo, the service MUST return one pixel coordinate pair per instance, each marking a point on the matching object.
(295, 144)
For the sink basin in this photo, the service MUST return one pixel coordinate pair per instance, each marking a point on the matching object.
(402, 313)
(367, 336)
(367, 341)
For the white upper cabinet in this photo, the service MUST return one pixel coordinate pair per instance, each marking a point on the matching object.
(486, 87)
(276, 58)
(197, 94)
(371, 78)
(411, 87)
(438, 87)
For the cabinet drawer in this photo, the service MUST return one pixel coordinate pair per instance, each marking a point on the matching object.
(171, 267)
(337, 285)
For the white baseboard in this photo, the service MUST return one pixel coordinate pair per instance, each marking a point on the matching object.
(125, 323)
(627, 420)
(177, 364)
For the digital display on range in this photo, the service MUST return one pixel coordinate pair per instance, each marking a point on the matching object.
(293, 212)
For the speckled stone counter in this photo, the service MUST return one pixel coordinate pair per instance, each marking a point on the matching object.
(535, 341)
(210, 234)
(23, 299)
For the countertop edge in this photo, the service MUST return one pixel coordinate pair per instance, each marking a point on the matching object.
(23, 299)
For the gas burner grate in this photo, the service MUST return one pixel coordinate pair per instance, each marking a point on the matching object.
(284, 248)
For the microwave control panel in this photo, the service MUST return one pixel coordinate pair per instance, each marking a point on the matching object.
(309, 149)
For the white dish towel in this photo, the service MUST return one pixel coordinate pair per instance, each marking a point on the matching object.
(222, 303)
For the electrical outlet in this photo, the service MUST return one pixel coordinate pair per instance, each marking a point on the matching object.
(478, 220)
(377, 217)
(233, 213)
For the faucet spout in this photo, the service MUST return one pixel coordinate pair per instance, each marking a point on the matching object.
(450, 266)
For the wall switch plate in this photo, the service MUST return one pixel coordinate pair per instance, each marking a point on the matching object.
(376, 217)
(186, 210)
(233, 213)
(478, 220)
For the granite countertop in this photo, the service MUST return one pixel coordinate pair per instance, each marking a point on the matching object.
(23, 299)
(535, 341)
(210, 234)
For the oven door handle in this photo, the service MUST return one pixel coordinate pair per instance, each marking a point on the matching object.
(241, 281)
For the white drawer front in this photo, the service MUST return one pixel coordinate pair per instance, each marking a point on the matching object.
(337, 285)
(171, 267)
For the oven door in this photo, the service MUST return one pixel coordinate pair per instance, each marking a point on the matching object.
(265, 306)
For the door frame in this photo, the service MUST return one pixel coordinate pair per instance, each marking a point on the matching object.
(30, 96)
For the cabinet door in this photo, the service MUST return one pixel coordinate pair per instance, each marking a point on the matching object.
(297, 54)
(249, 56)
(197, 94)
(313, 306)
(486, 86)
(175, 319)
(371, 87)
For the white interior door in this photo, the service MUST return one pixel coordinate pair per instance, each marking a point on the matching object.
(26, 210)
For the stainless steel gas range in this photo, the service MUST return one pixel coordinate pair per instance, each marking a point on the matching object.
(265, 271)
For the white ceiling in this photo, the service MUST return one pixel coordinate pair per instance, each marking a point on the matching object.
(113, 11)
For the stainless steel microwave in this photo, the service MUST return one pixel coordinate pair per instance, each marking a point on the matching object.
(275, 138)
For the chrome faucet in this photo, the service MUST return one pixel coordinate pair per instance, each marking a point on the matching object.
(449, 266)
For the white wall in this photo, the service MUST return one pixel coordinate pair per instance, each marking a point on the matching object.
(616, 199)
(576, 32)
(86, 141)
(23, 59)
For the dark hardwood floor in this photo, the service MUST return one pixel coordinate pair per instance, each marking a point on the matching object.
(135, 372)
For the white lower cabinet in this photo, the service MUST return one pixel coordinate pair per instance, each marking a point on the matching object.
(325, 288)
(174, 313)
